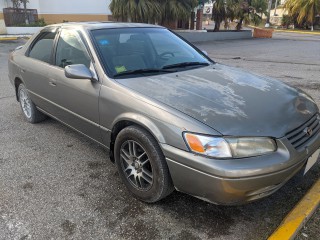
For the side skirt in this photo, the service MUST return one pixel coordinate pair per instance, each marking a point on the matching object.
(101, 144)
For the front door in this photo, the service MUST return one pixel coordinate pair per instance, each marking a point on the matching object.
(77, 99)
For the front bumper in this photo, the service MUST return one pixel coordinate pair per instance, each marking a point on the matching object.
(236, 181)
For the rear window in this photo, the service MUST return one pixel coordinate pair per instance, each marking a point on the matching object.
(42, 48)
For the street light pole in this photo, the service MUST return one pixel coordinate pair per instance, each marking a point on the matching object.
(269, 12)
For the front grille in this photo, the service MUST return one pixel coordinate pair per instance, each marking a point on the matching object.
(299, 137)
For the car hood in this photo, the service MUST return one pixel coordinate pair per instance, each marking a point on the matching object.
(231, 101)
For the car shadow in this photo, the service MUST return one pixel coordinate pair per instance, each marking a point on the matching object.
(178, 216)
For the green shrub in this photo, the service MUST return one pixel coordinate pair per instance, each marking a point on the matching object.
(39, 23)
(256, 20)
(286, 21)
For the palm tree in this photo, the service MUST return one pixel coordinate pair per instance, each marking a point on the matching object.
(135, 10)
(152, 10)
(305, 10)
(176, 9)
(119, 10)
(260, 6)
(219, 13)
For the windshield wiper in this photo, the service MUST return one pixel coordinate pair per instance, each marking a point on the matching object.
(141, 71)
(186, 64)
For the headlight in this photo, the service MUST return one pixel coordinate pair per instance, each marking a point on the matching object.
(248, 147)
(228, 147)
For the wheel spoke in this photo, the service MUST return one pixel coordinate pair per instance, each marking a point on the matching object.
(129, 167)
(130, 143)
(134, 148)
(147, 173)
(147, 179)
(131, 173)
(135, 182)
(144, 162)
(141, 155)
(125, 153)
(22, 97)
(138, 180)
(125, 157)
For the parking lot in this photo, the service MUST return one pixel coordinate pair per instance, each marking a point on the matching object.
(57, 184)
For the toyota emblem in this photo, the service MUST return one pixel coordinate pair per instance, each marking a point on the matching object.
(308, 131)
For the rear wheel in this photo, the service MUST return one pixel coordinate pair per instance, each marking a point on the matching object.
(142, 165)
(30, 112)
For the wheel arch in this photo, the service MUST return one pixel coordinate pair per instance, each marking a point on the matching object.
(127, 120)
(17, 82)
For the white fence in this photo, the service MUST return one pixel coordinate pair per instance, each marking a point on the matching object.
(23, 30)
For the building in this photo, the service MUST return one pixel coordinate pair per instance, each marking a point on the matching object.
(55, 11)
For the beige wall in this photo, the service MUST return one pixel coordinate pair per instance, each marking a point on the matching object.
(3, 29)
(58, 18)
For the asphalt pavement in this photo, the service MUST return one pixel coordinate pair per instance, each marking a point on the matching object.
(56, 184)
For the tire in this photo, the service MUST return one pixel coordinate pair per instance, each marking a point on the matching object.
(29, 110)
(136, 166)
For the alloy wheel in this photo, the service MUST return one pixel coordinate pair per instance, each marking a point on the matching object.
(136, 165)
(25, 103)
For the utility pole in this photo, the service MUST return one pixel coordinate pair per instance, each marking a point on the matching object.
(269, 12)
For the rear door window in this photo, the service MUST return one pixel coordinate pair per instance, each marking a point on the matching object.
(42, 48)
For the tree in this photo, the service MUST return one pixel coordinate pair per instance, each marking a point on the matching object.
(248, 11)
(152, 10)
(177, 9)
(219, 13)
(135, 10)
(16, 4)
(260, 6)
(241, 10)
(305, 10)
(286, 21)
(24, 2)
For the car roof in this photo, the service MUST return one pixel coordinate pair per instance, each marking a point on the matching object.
(101, 25)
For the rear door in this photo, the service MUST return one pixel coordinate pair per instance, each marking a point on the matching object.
(35, 66)
(77, 99)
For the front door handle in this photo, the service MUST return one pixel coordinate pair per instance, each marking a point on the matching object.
(53, 82)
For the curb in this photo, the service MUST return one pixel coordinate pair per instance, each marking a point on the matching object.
(288, 31)
(299, 215)
(299, 32)
(8, 38)
(13, 37)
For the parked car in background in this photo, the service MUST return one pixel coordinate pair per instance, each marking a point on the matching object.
(170, 116)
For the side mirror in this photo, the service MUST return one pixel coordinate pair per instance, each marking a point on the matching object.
(205, 52)
(78, 71)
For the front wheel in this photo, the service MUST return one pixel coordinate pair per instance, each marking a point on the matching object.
(142, 165)
(30, 112)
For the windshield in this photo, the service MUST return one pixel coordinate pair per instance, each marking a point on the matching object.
(130, 52)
